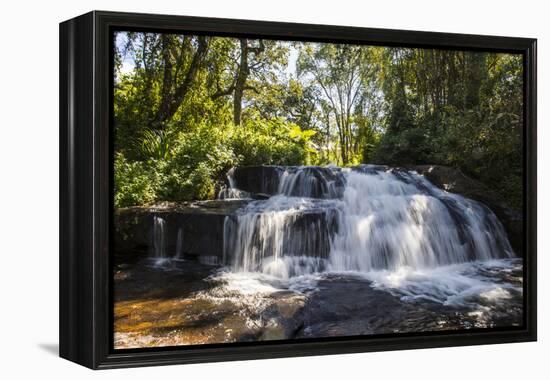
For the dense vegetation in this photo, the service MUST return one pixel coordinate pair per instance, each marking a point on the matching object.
(187, 108)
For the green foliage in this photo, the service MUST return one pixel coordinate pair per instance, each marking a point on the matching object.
(136, 182)
(197, 161)
(188, 185)
(342, 77)
(156, 144)
(409, 147)
(272, 142)
(191, 107)
(191, 165)
(458, 109)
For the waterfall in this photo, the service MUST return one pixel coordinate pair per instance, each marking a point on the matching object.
(361, 219)
(230, 190)
(283, 236)
(388, 221)
(314, 182)
(159, 239)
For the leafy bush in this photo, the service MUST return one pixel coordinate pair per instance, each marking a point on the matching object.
(189, 166)
(273, 142)
(483, 145)
(197, 161)
(136, 183)
(156, 144)
(409, 147)
(186, 185)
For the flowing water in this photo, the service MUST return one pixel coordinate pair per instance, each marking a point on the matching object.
(159, 241)
(360, 220)
(365, 250)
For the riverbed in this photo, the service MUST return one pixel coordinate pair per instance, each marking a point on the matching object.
(183, 302)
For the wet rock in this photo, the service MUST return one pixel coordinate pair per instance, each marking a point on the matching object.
(302, 181)
(284, 317)
(183, 305)
(195, 229)
(306, 233)
(262, 179)
(332, 312)
(370, 169)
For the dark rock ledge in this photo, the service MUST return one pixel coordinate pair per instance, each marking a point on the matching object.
(199, 224)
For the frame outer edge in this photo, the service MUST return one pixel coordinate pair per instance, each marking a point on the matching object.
(65, 342)
(84, 179)
(76, 303)
(102, 194)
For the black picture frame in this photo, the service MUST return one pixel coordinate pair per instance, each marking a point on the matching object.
(86, 207)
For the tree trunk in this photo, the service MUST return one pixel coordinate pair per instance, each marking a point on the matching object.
(240, 82)
(171, 100)
(166, 80)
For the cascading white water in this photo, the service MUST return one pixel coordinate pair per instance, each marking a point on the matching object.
(283, 236)
(312, 182)
(159, 239)
(386, 222)
(331, 219)
(230, 191)
(317, 232)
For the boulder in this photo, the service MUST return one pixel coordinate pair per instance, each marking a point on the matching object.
(262, 179)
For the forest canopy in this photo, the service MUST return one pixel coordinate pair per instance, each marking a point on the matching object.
(187, 108)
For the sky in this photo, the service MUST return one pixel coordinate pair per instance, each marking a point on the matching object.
(127, 61)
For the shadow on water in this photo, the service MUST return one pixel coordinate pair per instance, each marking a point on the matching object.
(143, 281)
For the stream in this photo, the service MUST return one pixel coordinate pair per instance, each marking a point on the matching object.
(323, 252)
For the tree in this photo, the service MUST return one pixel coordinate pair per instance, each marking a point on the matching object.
(340, 72)
(187, 107)
(255, 62)
(176, 78)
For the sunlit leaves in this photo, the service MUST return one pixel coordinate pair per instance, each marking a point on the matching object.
(307, 103)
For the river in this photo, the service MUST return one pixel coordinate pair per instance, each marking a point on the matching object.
(326, 252)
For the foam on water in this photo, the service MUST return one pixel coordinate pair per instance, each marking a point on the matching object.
(477, 286)
(456, 284)
(360, 220)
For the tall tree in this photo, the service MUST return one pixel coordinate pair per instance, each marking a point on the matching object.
(254, 58)
(340, 72)
(176, 85)
(242, 75)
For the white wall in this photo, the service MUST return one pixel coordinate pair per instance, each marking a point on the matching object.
(29, 186)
